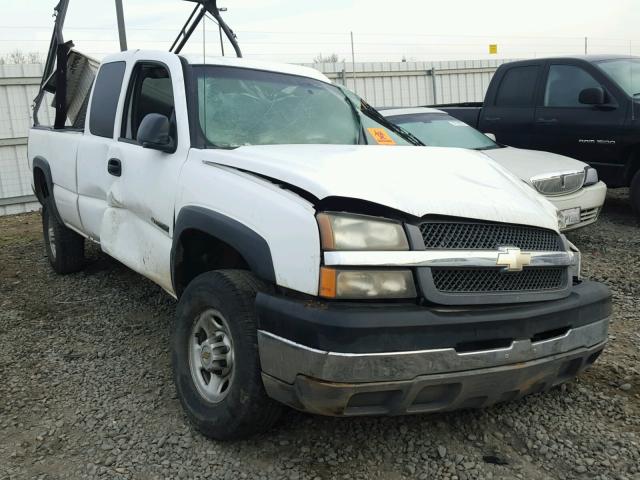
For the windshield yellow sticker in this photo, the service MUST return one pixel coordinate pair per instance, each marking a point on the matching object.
(381, 136)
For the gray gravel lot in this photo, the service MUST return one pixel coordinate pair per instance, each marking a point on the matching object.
(86, 389)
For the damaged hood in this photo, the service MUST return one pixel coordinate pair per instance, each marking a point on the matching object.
(416, 180)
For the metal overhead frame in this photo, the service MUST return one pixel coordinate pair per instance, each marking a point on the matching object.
(54, 76)
(203, 7)
(57, 49)
(55, 68)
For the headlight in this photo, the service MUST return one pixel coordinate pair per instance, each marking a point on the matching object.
(348, 232)
(366, 284)
(359, 232)
(591, 177)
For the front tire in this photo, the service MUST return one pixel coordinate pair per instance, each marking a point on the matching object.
(216, 365)
(634, 193)
(65, 248)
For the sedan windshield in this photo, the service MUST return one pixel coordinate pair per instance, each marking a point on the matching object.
(240, 106)
(625, 72)
(442, 130)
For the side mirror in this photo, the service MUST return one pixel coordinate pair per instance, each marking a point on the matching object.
(592, 96)
(492, 136)
(155, 132)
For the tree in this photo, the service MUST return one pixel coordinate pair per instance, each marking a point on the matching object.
(19, 57)
(333, 58)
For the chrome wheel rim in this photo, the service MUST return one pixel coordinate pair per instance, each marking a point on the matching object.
(51, 235)
(211, 356)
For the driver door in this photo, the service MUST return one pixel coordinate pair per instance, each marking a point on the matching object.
(564, 125)
(138, 224)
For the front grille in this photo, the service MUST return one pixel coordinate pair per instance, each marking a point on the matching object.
(472, 280)
(488, 236)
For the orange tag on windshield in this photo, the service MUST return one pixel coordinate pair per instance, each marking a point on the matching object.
(381, 136)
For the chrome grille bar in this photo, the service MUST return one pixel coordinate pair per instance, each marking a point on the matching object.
(442, 258)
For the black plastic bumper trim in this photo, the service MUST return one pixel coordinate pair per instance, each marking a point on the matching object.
(372, 328)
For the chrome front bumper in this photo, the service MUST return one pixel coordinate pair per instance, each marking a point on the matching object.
(333, 383)
(590, 200)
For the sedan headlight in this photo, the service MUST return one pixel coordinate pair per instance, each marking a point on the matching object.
(360, 232)
(591, 177)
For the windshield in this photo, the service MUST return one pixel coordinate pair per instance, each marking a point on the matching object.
(240, 106)
(441, 130)
(625, 72)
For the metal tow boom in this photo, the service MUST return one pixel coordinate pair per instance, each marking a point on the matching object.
(54, 76)
(198, 13)
(55, 47)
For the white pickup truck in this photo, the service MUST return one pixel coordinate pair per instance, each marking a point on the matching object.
(319, 258)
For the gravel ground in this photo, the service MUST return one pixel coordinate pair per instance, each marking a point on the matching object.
(86, 389)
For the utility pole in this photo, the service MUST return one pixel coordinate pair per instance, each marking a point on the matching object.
(204, 39)
(353, 63)
(586, 45)
(122, 33)
(221, 9)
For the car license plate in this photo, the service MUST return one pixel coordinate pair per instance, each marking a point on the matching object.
(571, 216)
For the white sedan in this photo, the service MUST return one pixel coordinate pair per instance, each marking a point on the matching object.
(572, 186)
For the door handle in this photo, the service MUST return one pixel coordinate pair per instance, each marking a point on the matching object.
(493, 119)
(114, 167)
(548, 120)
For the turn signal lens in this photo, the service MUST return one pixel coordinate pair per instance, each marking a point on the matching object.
(327, 282)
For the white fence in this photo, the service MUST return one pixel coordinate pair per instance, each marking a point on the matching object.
(18, 87)
(409, 84)
(382, 84)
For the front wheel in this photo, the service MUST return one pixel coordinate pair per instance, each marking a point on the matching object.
(216, 365)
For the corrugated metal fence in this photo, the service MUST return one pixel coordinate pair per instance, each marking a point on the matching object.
(409, 84)
(382, 84)
(18, 87)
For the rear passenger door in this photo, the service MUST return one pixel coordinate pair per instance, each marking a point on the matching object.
(97, 147)
(509, 111)
(568, 127)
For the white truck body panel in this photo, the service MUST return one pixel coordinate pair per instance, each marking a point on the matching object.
(285, 220)
(60, 149)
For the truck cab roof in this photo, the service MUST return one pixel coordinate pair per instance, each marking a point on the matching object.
(586, 58)
(289, 69)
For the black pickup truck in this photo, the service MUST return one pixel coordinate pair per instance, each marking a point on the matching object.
(585, 107)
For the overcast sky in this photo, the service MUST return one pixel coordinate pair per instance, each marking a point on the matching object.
(298, 30)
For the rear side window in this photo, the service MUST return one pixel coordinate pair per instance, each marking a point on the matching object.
(105, 99)
(517, 88)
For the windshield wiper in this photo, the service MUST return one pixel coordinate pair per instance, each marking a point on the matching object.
(354, 110)
(489, 147)
(373, 114)
(216, 146)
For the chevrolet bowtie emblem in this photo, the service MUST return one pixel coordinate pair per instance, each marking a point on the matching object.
(513, 259)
